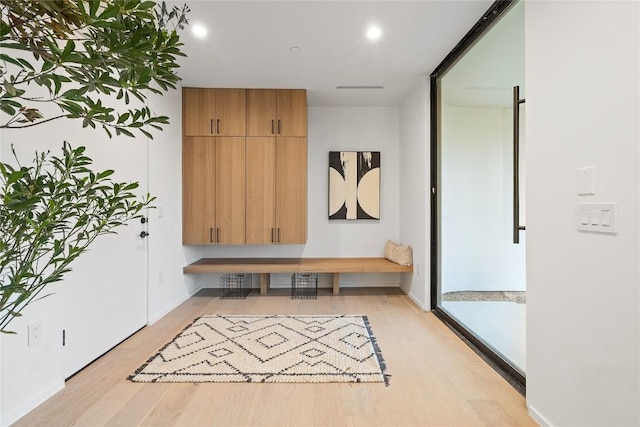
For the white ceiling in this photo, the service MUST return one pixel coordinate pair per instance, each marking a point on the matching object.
(248, 45)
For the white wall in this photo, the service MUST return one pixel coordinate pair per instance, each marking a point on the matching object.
(583, 290)
(339, 129)
(476, 170)
(414, 190)
(168, 287)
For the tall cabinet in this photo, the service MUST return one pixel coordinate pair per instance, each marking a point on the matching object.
(276, 166)
(249, 188)
(213, 166)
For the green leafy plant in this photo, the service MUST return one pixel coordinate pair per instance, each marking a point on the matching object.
(51, 212)
(81, 50)
(79, 53)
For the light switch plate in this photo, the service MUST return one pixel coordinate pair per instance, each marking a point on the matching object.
(597, 217)
(586, 181)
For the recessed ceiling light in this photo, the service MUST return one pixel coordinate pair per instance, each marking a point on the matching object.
(199, 31)
(295, 49)
(374, 33)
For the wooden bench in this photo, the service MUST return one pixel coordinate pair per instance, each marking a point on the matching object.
(266, 266)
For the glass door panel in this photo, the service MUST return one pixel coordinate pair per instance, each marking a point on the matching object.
(481, 270)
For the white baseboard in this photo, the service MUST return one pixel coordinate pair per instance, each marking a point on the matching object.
(537, 417)
(153, 318)
(32, 403)
(416, 301)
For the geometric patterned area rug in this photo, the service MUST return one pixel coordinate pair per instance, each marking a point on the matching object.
(278, 348)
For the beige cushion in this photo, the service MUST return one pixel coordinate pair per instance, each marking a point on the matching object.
(399, 254)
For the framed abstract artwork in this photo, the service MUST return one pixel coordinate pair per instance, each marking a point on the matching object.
(354, 185)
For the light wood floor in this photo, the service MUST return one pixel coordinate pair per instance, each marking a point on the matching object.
(436, 380)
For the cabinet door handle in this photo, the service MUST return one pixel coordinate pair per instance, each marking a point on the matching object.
(217, 235)
(211, 235)
(278, 126)
(272, 128)
(278, 234)
(272, 235)
(218, 126)
(211, 126)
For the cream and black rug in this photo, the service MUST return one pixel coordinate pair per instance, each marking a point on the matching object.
(280, 348)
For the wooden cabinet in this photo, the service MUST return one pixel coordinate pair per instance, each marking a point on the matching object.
(276, 191)
(198, 190)
(213, 182)
(291, 189)
(230, 188)
(261, 190)
(276, 112)
(239, 190)
(213, 112)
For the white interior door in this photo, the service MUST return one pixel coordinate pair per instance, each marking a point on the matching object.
(105, 296)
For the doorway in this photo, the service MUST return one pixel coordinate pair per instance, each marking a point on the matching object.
(104, 297)
(478, 237)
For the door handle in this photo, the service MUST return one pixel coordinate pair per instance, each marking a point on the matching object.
(218, 126)
(143, 234)
(217, 235)
(272, 127)
(211, 126)
(516, 164)
(278, 234)
(278, 126)
(272, 236)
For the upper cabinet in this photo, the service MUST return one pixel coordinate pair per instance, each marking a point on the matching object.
(276, 112)
(241, 189)
(213, 112)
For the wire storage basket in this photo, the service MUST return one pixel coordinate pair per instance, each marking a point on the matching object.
(304, 286)
(235, 285)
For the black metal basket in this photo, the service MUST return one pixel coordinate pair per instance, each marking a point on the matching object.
(235, 285)
(304, 286)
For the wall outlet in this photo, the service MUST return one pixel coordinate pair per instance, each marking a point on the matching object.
(34, 333)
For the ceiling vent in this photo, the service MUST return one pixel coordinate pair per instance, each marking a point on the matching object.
(360, 87)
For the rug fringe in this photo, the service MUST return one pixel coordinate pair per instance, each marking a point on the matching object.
(377, 351)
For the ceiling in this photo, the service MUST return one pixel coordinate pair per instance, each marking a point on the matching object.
(248, 45)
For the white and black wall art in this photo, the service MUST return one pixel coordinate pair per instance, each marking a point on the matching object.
(354, 185)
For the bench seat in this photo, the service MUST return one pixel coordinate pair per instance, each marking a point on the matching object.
(266, 266)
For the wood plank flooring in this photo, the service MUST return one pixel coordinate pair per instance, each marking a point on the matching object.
(436, 380)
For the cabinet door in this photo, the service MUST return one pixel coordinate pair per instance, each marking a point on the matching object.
(230, 112)
(261, 112)
(198, 111)
(198, 185)
(292, 112)
(291, 190)
(230, 189)
(261, 190)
